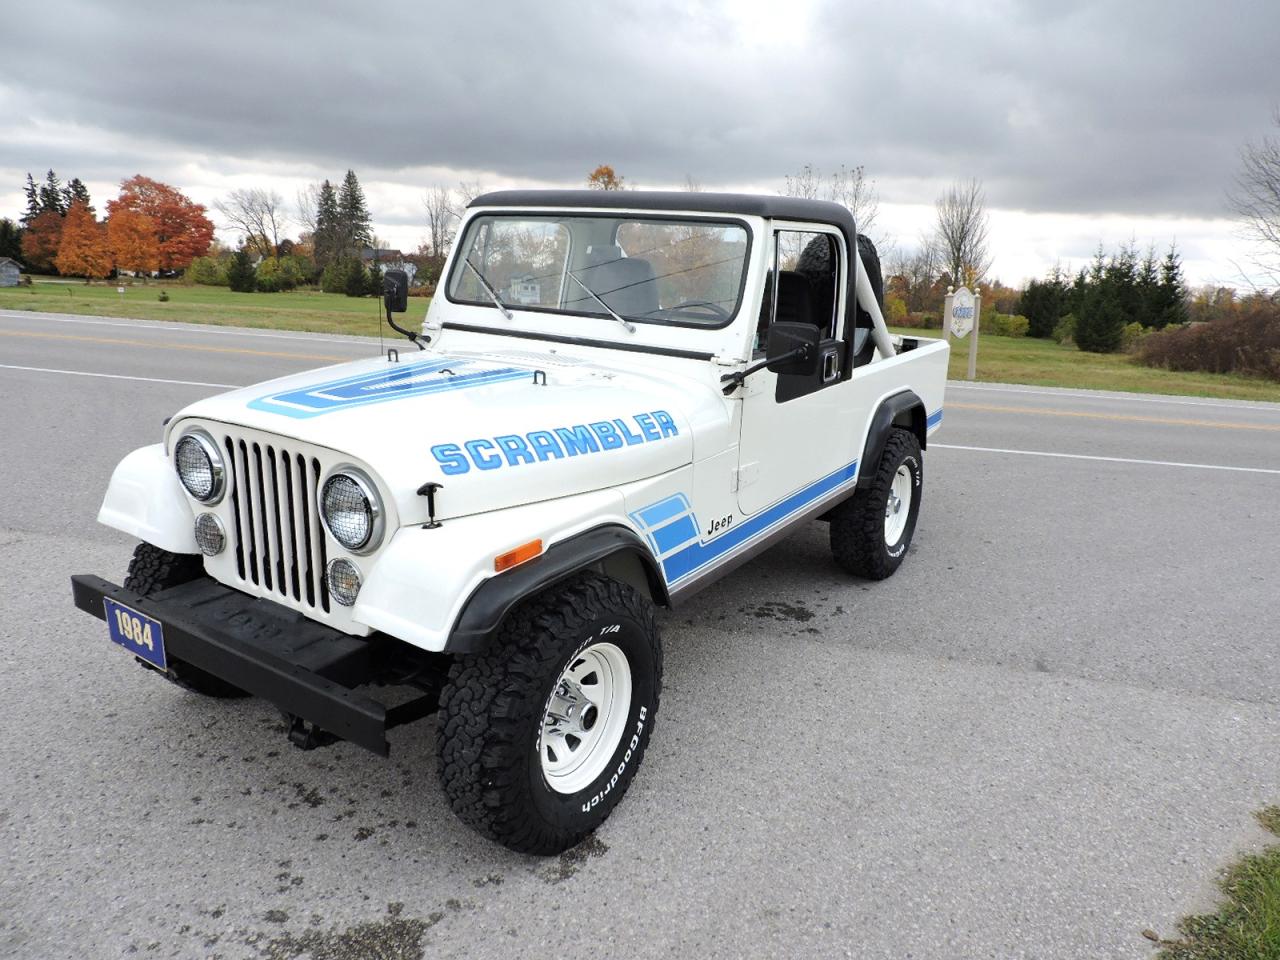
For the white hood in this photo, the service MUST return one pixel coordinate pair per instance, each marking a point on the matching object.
(495, 430)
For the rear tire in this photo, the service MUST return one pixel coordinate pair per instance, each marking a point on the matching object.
(871, 531)
(541, 734)
(152, 570)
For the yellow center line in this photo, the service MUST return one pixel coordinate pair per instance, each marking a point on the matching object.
(1122, 417)
(172, 346)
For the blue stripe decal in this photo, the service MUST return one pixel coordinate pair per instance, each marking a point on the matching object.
(935, 418)
(662, 510)
(675, 534)
(679, 562)
(406, 380)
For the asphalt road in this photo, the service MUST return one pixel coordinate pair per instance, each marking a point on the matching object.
(1045, 734)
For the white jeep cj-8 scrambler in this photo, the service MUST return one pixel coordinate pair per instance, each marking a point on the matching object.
(615, 399)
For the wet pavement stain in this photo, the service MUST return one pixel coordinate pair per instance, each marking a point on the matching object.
(394, 937)
(571, 861)
(778, 610)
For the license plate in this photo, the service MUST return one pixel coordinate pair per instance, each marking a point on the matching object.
(141, 635)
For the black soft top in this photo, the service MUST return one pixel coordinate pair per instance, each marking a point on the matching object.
(742, 204)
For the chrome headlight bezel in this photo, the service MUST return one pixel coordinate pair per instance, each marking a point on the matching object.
(217, 465)
(377, 513)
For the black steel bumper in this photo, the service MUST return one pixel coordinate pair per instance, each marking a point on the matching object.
(306, 669)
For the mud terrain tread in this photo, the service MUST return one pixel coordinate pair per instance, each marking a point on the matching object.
(857, 525)
(491, 698)
(152, 570)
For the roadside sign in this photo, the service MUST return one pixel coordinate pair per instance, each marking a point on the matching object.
(961, 312)
(120, 290)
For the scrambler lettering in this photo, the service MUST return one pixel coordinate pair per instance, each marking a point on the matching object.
(555, 443)
(626, 758)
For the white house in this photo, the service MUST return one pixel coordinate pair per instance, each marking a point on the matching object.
(388, 260)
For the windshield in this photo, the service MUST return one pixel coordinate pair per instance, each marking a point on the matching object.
(646, 269)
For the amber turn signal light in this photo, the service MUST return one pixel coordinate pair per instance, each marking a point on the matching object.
(521, 554)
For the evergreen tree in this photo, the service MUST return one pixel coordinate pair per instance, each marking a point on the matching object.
(51, 198)
(326, 239)
(1100, 322)
(1148, 285)
(357, 284)
(240, 275)
(1044, 303)
(1171, 299)
(33, 201)
(353, 215)
(76, 190)
(10, 239)
(1122, 282)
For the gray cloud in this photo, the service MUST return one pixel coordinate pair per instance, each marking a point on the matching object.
(1135, 108)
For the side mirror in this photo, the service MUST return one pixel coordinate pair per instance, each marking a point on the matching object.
(395, 291)
(793, 349)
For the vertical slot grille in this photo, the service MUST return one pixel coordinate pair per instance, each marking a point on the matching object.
(279, 546)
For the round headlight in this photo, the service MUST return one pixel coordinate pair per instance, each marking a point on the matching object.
(352, 510)
(343, 578)
(209, 534)
(199, 466)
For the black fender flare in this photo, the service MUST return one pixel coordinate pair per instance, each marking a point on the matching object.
(904, 409)
(603, 549)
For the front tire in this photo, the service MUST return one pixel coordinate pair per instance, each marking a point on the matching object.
(541, 734)
(152, 570)
(871, 531)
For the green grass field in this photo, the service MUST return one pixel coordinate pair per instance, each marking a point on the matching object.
(1000, 359)
(1045, 363)
(297, 310)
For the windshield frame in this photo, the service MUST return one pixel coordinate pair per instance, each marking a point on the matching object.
(458, 258)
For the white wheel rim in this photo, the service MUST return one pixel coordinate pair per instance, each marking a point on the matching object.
(584, 718)
(898, 507)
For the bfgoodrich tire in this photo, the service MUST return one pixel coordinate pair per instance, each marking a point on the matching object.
(871, 532)
(541, 734)
(152, 570)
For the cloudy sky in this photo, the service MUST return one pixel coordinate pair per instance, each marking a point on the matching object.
(1087, 122)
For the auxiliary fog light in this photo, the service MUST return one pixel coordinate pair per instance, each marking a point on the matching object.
(344, 581)
(210, 536)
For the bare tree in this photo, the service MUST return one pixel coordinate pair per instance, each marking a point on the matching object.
(961, 232)
(916, 271)
(1256, 198)
(692, 184)
(442, 218)
(850, 186)
(258, 214)
(845, 185)
(308, 202)
(468, 190)
(806, 183)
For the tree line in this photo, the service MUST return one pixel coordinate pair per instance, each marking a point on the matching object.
(150, 227)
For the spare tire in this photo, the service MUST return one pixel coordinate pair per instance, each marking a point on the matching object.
(870, 263)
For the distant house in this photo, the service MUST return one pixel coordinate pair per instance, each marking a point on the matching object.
(525, 289)
(388, 260)
(10, 270)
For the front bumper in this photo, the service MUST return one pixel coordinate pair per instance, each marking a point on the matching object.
(305, 668)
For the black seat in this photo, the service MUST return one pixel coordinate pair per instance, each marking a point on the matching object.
(625, 283)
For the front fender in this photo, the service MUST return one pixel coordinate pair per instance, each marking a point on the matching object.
(145, 499)
(424, 577)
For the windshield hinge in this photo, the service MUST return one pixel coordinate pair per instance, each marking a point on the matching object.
(723, 360)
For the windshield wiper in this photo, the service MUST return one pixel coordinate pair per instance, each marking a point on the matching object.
(493, 294)
(631, 327)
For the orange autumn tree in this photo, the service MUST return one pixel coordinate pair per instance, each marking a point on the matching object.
(182, 231)
(131, 238)
(604, 177)
(40, 241)
(83, 251)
